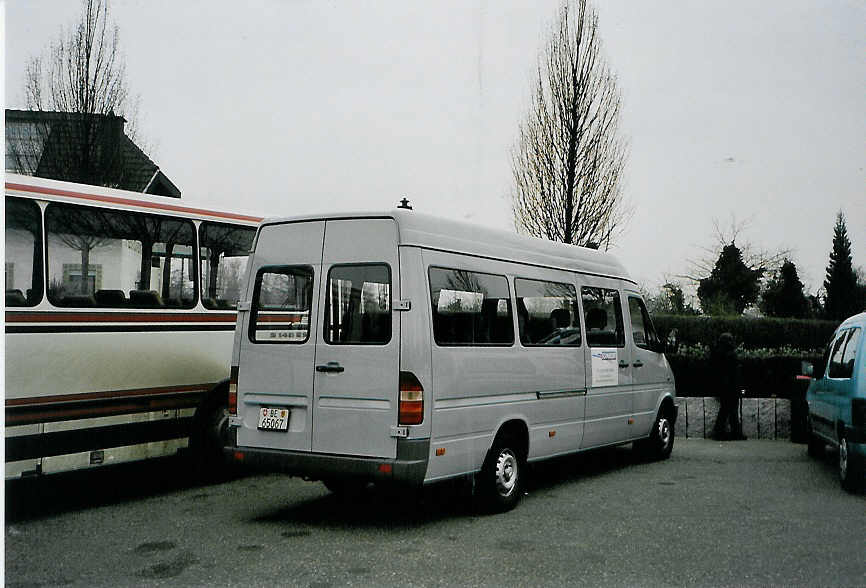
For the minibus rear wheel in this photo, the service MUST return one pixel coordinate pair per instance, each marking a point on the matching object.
(500, 482)
(346, 488)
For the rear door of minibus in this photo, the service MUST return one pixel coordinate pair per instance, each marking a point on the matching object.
(322, 343)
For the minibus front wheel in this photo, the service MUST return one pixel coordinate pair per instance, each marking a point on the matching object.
(661, 440)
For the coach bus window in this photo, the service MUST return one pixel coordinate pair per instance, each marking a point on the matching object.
(470, 308)
(602, 314)
(547, 313)
(23, 253)
(111, 259)
(282, 298)
(642, 327)
(224, 252)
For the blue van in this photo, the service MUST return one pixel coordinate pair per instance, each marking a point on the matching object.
(837, 401)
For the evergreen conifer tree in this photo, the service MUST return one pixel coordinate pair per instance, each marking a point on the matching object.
(731, 286)
(784, 295)
(840, 283)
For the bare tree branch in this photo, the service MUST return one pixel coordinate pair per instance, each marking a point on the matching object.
(79, 86)
(569, 156)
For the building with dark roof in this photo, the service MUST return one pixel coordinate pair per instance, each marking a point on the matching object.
(84, 148)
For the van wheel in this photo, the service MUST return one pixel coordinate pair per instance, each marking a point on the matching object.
(850, 473)
(500, 481)
(661, 439)
(815, 446)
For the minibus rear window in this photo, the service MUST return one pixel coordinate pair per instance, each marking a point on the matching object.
(358, 305)
(281, 305)
(470, 308)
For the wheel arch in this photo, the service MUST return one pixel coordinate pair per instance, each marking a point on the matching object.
(514, 428)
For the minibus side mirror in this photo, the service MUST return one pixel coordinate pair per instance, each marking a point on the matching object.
(807, 369)
(672, 343)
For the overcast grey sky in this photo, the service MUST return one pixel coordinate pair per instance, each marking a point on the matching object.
(743, 108)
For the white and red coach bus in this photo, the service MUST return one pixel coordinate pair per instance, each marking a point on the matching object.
(120, 311)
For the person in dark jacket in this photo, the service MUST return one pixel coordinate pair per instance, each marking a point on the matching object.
(724, 369)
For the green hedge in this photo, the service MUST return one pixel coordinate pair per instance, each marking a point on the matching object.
(761, 377)
(750, 333)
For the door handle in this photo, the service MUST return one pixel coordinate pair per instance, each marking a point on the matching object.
(623, 363)
(332, 367)
(638, 363)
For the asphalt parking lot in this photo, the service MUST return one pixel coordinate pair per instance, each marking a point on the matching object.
(716, 514)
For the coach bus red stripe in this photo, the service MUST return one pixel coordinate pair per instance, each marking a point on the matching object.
(116, 317)
(130, 202)
(61, 398)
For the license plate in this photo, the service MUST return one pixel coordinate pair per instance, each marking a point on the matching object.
(274, 419)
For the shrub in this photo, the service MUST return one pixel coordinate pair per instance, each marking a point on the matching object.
(751, 333)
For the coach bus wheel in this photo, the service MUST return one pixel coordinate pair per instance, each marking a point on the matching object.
(209, 436)
(501, 479)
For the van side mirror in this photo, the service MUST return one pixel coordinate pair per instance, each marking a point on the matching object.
(807, 369)
(672, 343)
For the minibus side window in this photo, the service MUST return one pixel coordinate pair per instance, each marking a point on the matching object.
(23, 253)
(547, 313)
(470, 308)
(602, 314)
(642, 327)
(358, 305)
(282, 297)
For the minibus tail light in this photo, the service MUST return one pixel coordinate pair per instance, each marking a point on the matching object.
(233, 391)
(411, 405)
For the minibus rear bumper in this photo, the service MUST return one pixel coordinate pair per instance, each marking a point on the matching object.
(409, 467)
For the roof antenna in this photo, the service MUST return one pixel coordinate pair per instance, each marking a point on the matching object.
(404, 204)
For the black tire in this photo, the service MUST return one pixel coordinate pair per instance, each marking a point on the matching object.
(660, 443)
(850, 467)
(815, 446)
(345, 487)
(209, 436)
(500, 482)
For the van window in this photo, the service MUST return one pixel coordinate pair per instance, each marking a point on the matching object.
(843, 354)
(547, 313)
(641, 326)
(23, 253)
(282, 298)
(470, 308)
(358, 305)
(602, 314)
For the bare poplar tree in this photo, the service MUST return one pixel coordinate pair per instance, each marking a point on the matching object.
(79, 88)
(569, 157)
